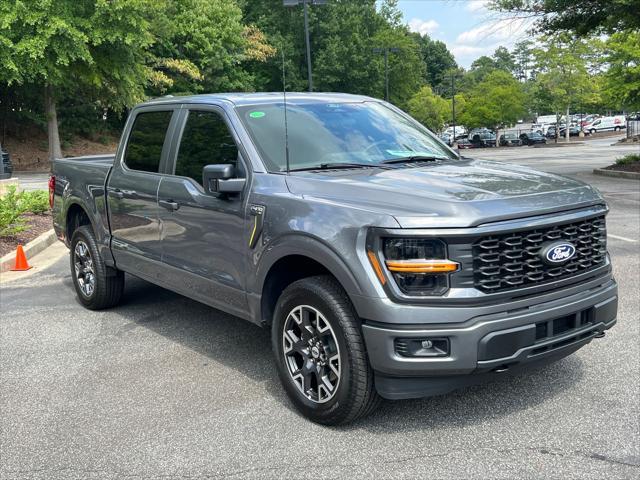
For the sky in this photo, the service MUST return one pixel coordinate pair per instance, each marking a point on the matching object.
(466, 26)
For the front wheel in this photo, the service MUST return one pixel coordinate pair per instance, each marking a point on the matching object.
(96, 286)
(320, 352)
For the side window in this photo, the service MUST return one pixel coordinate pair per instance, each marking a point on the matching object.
(144, 147)
(206, 140)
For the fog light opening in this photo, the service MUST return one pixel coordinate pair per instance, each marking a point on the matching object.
(422, 347)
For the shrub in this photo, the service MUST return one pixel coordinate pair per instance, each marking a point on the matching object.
(628, 159)
(10, 213)
(14, 204)
(35, 202)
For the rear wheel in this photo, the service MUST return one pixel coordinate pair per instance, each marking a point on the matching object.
(96, 286)
(320, 353)
(617, 129)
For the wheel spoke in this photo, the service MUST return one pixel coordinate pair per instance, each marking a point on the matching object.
(83, 267)
(311, 353)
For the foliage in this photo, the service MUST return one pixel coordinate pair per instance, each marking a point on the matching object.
(36, 202)
(438, 61)
(200, 45)
(622, 78)
(564, 77)
(10, 213)
(497, 100)
(581, 17)
(14, 204)
(429, 109)
(628, 159)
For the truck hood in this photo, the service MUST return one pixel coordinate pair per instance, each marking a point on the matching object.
(460, 193)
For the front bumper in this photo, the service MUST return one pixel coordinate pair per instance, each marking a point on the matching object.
(510, 339)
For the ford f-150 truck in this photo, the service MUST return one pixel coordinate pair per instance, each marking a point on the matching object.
(384, 264)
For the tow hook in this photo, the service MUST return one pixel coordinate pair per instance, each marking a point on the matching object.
(599, 335)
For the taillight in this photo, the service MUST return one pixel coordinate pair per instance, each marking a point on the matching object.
(52, 189)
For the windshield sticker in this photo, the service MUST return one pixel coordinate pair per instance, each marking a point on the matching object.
(257, 114)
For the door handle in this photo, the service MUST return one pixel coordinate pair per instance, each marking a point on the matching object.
(169, 205)
(116, 193)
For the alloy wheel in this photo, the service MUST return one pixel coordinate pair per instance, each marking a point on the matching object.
(311, 353)
(83, 265)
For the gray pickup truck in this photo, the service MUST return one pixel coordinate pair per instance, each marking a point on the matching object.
(384, 264)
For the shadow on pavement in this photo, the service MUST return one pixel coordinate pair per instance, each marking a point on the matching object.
(246, 348)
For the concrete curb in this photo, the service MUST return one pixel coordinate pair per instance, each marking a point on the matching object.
(32, 248)
(616, 173)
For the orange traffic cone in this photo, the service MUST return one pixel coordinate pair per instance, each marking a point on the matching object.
(21, 261)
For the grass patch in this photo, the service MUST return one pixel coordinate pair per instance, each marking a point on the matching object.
(14, 204)
(628, 159)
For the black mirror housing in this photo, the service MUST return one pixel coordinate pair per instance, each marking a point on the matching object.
(220, 179)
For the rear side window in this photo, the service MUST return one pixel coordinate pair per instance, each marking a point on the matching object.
(144, 148)
(206, 140)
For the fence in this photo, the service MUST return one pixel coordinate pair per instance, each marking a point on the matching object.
(633, 128)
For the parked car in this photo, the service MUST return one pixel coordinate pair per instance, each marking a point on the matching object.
(573, 131)
(465, 143)
(510, 139)
(447, 138)
(532, 138)
(483, 139)
(6, 167)
(460, 130)
(607, 124)
(383, 267)
(536, 127)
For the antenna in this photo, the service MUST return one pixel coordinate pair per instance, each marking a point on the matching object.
(286, 125)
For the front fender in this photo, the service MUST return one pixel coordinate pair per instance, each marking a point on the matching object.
(307, 246)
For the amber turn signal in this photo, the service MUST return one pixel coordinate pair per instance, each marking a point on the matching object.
(422, 266)
(377, 267)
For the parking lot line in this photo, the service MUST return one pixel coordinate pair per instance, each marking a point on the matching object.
(617, 237)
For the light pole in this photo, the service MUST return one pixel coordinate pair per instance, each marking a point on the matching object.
(305, 3)
(386, 51)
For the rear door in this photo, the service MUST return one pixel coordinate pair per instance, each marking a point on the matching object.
(132, 191)
(204, 236)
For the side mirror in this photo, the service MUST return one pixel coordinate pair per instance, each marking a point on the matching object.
(220, 179)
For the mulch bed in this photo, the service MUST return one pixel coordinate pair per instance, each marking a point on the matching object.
(629, 167)
(36, 226)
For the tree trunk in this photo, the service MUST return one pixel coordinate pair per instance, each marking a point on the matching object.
(567, 134)
(52, 123)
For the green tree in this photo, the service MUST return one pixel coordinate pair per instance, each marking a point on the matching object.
(564, 78)
(581, 17)
(64, 45)
(497, 100)
(503, 59)
(621, 82)
(429, 109)
(201, 46)
(438, 61)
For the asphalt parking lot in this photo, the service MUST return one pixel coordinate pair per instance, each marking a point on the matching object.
(164, 387)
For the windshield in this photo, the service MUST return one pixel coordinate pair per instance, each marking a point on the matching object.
(326, 134)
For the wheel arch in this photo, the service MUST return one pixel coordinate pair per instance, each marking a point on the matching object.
(292, 259)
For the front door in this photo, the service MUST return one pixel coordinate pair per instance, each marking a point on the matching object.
(202, 234)
(132, 194)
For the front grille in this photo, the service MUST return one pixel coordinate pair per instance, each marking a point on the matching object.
(507, 261)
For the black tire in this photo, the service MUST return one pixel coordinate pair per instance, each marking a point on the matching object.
(107, 285)
(354, 396)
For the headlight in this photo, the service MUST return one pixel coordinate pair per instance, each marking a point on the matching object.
(419, 266)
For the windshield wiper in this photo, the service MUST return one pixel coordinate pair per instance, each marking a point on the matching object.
(331, 166)
(415, 158)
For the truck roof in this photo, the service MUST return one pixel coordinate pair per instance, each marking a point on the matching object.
(240, 99)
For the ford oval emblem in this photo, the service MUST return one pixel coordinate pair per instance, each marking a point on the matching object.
(558, 252)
